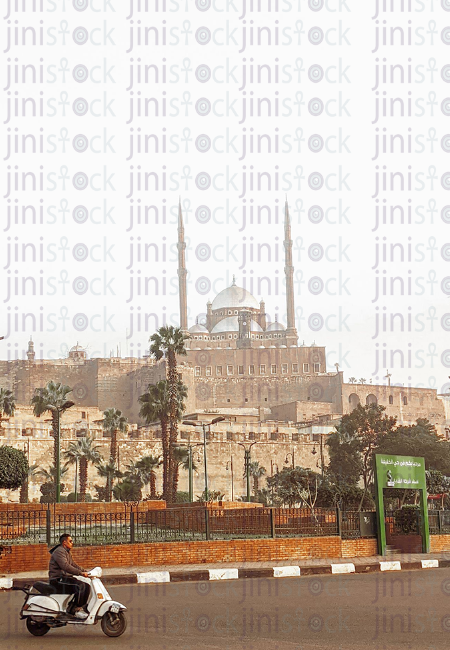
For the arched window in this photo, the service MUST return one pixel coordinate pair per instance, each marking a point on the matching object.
(353, 400)
(371, 399)
(391, 399)
(405, 401)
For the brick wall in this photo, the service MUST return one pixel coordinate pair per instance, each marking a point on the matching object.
(83, 508)
(15, 559)
(439, 543)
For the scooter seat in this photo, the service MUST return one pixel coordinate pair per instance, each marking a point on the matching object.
(44, 588)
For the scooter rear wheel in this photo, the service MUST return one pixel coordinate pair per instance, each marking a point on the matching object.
(114, 624)
(36, 628)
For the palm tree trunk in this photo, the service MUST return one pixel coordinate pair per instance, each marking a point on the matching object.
(255, 484)
(175, 482)
(83, 478)
(166, 457)
(109, 485)
(173, 421)
(153, 484)
(55, 437)
(113, 452)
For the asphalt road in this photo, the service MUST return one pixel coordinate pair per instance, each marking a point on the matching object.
(407, 610)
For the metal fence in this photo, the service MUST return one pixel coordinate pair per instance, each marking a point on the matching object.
(179, 524)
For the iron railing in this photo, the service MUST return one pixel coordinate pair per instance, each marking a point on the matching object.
(177, 524)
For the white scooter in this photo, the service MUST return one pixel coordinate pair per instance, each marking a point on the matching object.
(44, 609)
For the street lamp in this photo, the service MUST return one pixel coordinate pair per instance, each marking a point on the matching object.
(189, 447)
(290, 454)
(247, 449)
(314, 452)
(191, 423)
(230, 466)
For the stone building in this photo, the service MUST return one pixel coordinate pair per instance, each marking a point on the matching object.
(238, 361)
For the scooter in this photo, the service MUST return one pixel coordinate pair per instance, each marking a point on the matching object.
(44, 609)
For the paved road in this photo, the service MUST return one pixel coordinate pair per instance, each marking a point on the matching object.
(404, 610)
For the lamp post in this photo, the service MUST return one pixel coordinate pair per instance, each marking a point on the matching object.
(191, 423)
(290, 454)
(247, 449)
(189, 447)
(314, 452)
(230, 466)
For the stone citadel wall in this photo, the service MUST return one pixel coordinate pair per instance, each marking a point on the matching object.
(277, 446)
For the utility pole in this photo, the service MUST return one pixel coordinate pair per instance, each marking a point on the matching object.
(191, 423)
(247, 452)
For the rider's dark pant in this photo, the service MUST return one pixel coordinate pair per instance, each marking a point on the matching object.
(72, 586)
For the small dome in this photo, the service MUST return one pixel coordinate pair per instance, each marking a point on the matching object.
(233, 297)
(275, 327)
(198, 329)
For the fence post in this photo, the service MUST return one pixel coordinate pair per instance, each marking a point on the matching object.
(339, 521)
(132, 530)
(272, 523)
(207, 531)
(48, 523)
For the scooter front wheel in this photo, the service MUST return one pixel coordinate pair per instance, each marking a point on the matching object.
(36, 628)
(114, 624)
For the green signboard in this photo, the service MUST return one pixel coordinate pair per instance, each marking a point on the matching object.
(400, 472)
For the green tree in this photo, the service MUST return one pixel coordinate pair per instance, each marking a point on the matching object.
(292, 486)
(155, 406)
(352, 446)
(114, 421)
(13, 468)
(109, 472)
(181, 459)
(83, 451)
(48, 488)
(169, 342)
(213, 495)
(146, 467)
(33, 471)
(420, 439)
(53, 398)
(130, 489)
(7, 404)
(257, 471)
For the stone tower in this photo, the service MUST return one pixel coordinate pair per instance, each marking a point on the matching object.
(245, 338)
(31, 355)
(182, 272)
(291, 331)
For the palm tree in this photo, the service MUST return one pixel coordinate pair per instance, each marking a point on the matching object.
(168, 342)
(84, 451)
(108, 470)
(49, 476)
(181, 459)
(7, 404)
(52, 398)
(146, 467)
(114, 421)
(362, 380)
(352, 380)
(155, 406)
(33, 471)
(257, 471)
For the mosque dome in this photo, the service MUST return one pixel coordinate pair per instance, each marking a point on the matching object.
(198, 329)
(275, 327)
(235, 297)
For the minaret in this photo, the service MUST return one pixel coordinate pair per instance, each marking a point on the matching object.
(182, 273)
(30, 352)
(291, 332)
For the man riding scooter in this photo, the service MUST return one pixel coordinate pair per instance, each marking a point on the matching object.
(61, 567)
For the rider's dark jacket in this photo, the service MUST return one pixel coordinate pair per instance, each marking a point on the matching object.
(62, 563)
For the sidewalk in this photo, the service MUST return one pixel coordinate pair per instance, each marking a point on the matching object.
(230, 571)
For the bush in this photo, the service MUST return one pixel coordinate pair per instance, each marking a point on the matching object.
(406, 519)
(13, 468)
(48, 491)
(182, 497)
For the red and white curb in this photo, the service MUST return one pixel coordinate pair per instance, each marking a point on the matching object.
(290, 571)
